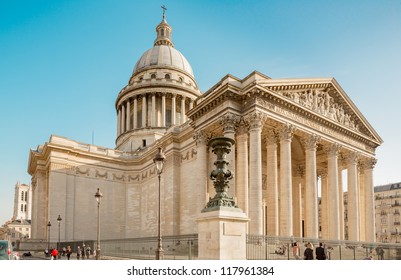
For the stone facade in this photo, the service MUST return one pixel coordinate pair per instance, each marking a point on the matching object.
(289, 134)
(388, 209)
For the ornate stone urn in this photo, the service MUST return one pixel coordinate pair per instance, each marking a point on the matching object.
(221, 176)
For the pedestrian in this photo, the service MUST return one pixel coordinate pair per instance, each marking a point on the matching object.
(78, 252)
(88, 251)
(83, 251)
(68, 252)
(308, 253)
(64, 251)
(320, 255)
(54, 254)
(295, 250)
(380, 253)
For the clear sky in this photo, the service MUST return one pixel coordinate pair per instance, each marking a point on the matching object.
(62, 63)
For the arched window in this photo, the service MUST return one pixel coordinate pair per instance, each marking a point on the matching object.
(167, 76)
(153, 76)
(181, 79)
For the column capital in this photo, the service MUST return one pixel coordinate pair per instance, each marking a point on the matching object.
(286, 132)
(200, 137)
(271, 137)
(255, 120)
(310, 142)
(368, 163)
(332, 149)
(351, 157)
(322, 173)
(229, 122)
(300, 170)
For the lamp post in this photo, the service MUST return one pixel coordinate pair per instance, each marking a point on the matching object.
(98, 196)
(48, 236)
(159, 162)
(58, 244)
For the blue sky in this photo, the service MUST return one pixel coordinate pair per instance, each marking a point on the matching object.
(62, 63)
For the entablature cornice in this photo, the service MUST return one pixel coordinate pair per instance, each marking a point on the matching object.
(211, 102)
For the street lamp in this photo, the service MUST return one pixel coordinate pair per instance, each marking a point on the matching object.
(58, 244)
(159, 161)
(98, 196)
(48, 236)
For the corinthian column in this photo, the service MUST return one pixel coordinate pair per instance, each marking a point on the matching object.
(183, 116)
(272, 213)
(324, 209)
(297, 200)
(128, 118)
(286, 225)
(311, 195)
(353, 201)
(173, 109)
(242, 168)
(153, 113)
(144, 112)
(255, 174)
(163, 124)
(118, 122)
(123, 118)
(368, 199)
(135, 115)
(333, 202)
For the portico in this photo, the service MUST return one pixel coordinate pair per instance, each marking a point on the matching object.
(296, 135)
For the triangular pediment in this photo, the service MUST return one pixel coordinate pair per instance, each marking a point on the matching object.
(324, 97)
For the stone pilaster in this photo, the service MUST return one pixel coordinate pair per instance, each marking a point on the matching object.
(201, 174)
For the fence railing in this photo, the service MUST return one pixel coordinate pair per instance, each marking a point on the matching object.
(185, 247)
(181, 247)
(281, 248)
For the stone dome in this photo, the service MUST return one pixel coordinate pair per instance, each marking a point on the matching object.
(163, 56)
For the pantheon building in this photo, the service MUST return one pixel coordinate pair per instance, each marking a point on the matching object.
(294, 141)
